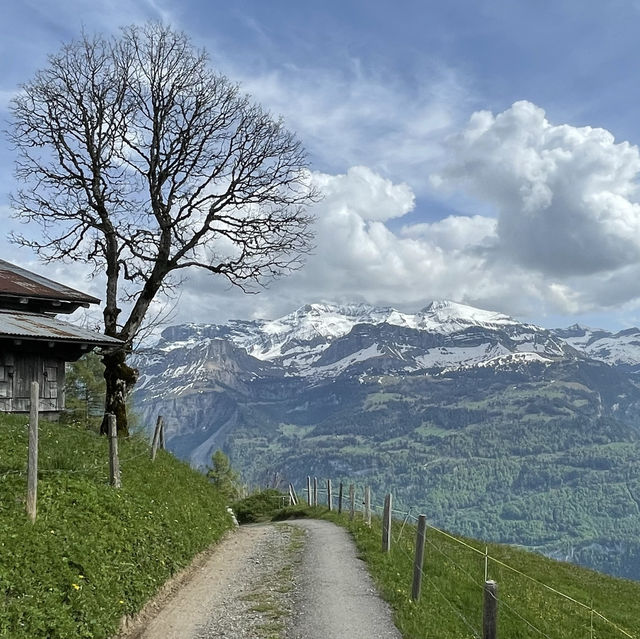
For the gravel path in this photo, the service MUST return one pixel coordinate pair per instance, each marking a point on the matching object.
(294, 580)
(336, 598)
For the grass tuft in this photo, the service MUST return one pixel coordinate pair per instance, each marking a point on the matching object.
(259, 506)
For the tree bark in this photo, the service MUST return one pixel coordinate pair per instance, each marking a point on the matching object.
(120, 378)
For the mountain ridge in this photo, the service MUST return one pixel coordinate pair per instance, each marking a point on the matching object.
(298, 340)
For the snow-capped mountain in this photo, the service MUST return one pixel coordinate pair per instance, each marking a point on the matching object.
(435, 405)
(201, 374)
(325, 340)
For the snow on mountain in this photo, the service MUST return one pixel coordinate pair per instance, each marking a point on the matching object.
(444, 315)
(311, 323)
(326, 340)
(617, 349)
(330, 321)
(289, 338)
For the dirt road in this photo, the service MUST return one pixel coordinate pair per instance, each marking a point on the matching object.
(295, 580)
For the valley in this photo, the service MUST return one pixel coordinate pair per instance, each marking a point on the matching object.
(493, 428)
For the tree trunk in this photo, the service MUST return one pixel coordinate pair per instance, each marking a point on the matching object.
(120, 379)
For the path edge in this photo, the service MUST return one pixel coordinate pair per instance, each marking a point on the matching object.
(133, 626)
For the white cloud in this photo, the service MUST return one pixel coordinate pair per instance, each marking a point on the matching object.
(563, 195)
(366, 193)
(354, 116)
(559, 229)
(456, 232)
(357, 257)
(475, 259)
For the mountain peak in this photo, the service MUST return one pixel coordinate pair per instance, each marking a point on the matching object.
(449, 312)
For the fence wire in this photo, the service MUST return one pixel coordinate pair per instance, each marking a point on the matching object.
(442, 595)
(406, 515)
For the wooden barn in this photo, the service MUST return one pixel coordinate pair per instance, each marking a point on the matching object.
(34, 343)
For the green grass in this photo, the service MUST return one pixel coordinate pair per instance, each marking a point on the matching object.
(450, 606)
(259, 506)
(94, 553)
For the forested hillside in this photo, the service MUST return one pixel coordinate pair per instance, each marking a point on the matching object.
(530, 463)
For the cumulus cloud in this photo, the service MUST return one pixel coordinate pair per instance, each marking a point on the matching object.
(359, 258)
(563, 195)
(366, 193)
(559, 231)
(563, 239)
(456, 232)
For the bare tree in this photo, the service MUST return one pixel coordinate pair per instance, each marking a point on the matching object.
(135, 157)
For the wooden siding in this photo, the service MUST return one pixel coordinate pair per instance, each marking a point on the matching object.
(18, 370)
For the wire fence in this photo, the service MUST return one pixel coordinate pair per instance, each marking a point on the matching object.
(459, 576)
(27, 463)
(45, 459)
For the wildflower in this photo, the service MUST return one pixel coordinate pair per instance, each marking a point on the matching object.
(75, 586)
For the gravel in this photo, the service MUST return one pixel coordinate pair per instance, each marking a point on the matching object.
(293, 580)
(336, 597)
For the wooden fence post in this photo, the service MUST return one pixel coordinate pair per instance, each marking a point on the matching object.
(32, 463)
(419, 558)
(292, 494)
(352, 501)
(156, 438)
(329, 495)
(490, 610)
(114, 463)
(340, 498)
(162, 446)
(315, 491)
(309, 497)
(386, 524)
(367, 505)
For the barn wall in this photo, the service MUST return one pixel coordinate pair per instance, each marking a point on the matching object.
(18, 370)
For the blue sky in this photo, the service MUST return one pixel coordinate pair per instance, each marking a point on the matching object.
(484, 152)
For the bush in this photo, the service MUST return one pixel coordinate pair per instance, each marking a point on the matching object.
(261, 506)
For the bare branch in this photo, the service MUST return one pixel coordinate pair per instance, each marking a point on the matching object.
(137, 158)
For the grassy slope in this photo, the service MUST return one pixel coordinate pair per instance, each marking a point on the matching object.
(450, 606)
(94, 553)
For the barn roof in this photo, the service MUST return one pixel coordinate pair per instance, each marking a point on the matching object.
(19, 283)
(35, 326)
